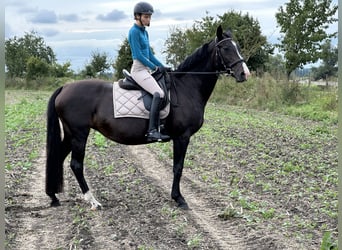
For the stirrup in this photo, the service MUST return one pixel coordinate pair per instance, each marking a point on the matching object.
(155, 136)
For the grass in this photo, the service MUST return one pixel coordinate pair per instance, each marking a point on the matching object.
(229, 213)
(24, 125)
(327, 242)
(195, 241)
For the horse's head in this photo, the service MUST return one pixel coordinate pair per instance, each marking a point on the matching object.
(229, 57)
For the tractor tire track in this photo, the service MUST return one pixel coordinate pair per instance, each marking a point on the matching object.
(202, 214)
(229, 234)
(38, 221)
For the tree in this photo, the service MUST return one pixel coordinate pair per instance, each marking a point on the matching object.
(176, 47)
(329, 58)
(202, 31)
(245, 29)
(123, 60)
(36, 67)
(18, 52)
(247, 32)
(88, 71)
(62, 70)
(276, 66)
(99, 62)
(304, 26)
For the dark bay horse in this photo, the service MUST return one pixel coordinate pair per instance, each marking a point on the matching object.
(76, 108)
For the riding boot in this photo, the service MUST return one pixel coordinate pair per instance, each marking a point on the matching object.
(153, 133)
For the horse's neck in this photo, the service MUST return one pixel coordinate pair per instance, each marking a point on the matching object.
(204, 82)
(207, 87)
(197, 86)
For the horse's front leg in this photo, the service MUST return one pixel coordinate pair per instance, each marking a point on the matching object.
(180, 146)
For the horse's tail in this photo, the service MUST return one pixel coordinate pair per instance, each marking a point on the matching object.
(54, 162)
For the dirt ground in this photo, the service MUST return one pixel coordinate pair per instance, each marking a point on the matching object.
(137, 210)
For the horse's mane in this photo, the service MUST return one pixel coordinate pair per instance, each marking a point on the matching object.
(191, 61)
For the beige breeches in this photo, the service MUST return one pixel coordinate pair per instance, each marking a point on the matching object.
(142, 76)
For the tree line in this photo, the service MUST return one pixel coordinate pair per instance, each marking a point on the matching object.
(29, 57)
(304, 39)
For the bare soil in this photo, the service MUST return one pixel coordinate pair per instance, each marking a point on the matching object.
(137, 210)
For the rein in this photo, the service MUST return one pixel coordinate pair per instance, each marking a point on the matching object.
(201, 73)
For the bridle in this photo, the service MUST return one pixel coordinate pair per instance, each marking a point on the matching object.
(228, 68)
(219, 59)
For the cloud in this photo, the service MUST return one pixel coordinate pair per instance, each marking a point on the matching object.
(49, 32)
(115, 15)
(69, 18)
(45, 16)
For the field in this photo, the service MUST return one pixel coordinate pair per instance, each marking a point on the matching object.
(253, 180)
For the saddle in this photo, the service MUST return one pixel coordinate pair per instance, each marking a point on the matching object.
(163, 80)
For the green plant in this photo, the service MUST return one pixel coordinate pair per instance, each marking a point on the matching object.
(195, 241)
(99, 140)
(229, 213)
(109, 169)
(180, 230)
(267, 213)
(143, 247)
(327, 243)
(170, 212)
(288, 97)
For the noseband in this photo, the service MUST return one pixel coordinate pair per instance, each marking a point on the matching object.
(228, 68)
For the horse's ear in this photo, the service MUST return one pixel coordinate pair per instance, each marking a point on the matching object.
(219, 33)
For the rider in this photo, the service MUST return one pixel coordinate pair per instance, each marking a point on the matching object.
(143, 62)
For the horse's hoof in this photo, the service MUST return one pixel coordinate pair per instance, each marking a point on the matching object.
(55, 203)
(181, 203)
(183, 206)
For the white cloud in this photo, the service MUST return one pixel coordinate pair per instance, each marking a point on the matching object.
(44, 16)
(113, 16)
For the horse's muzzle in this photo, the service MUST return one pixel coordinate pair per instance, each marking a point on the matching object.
(243, 76)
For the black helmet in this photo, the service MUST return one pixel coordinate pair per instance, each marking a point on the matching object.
(143, 8)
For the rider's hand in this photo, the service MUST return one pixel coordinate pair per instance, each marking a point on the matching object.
(163, 69)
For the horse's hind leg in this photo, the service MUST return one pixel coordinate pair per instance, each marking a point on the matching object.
(78, 146)
(65, 150)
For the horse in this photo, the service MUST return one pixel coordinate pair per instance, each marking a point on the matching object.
(77, 107)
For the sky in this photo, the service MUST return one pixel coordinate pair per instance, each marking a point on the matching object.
(75, 29)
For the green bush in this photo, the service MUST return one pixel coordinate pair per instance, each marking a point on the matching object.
(293, 98)
(40, 83)
(259, 93)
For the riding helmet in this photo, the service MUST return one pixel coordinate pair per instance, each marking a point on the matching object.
(143, 8)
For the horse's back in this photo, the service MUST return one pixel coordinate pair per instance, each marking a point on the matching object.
(81, 99)
(90, 88)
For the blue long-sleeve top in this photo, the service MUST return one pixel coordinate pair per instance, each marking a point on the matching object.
(140, 47)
